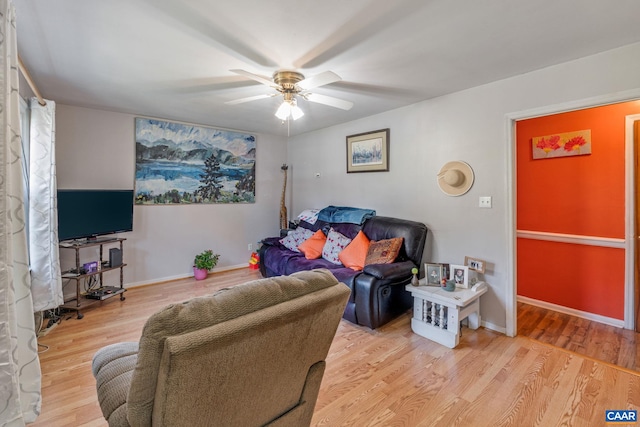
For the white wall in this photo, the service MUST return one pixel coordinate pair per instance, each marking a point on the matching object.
(472, 126)
(96, 149)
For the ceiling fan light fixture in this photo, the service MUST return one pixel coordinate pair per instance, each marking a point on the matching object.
(296, 112)
(289, 108)
(290, 84)
(284, 111)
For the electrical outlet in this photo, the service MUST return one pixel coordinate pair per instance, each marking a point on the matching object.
(485, 202)
(250, 247)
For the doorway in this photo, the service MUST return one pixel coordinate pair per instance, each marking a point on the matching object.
(588, 243)
(635, 138)
(584, 332)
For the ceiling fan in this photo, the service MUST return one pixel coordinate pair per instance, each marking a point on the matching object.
(291, 84)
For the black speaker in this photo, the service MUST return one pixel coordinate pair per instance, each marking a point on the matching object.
(115, 257)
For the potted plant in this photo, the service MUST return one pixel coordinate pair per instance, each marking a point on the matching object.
(203, 263)
(414, 279)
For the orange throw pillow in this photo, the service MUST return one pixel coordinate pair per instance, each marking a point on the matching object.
(383, 251)
(312, 247)
(355, 253)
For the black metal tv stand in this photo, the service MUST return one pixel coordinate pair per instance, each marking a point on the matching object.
(82, 299)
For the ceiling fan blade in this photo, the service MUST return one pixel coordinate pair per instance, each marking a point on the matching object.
(329, 100)
(249, 99)
(260, 79)
(319, 80)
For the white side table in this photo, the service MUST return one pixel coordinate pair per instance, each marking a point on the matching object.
(437, 313)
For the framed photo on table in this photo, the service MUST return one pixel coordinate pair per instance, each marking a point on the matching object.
(460, 275)
(433, 274)
(475, 264)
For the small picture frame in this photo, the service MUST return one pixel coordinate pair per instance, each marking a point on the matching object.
(460, 275)
(475, 264)
(433, 274)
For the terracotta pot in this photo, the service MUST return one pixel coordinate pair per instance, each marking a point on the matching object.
(200, 273)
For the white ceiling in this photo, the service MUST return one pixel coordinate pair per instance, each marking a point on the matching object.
(171, 59)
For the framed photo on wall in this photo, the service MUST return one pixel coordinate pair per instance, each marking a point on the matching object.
(368, 152)
(460, 275)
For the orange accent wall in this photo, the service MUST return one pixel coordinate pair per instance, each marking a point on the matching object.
(580, 195)
(586, 278)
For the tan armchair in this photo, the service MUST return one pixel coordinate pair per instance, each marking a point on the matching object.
(250, 355)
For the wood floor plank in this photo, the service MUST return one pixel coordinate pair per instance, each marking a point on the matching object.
(386, 377)
(592, 339)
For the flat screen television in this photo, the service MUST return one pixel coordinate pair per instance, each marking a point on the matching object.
(91, 213)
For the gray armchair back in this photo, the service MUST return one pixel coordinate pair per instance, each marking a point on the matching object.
(250, 355)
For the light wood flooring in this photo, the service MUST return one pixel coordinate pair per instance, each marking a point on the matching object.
(386, 377)
(592, 339)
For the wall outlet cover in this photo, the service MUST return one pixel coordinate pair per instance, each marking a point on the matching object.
(485, 202)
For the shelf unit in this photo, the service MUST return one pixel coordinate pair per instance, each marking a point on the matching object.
(80, 300)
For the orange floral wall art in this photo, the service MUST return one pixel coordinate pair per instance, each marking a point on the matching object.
(575, 143)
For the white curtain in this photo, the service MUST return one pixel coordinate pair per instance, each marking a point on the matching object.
(19, 365)
(46, 282)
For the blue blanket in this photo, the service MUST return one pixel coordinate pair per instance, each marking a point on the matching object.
(337, 214)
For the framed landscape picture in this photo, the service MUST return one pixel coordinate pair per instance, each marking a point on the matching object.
(180, 163)
(368, 152)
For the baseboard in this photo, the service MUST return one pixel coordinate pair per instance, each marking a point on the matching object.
(493, 327)
(181, 276)
(572, 312)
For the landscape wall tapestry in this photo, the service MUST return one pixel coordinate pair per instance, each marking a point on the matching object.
(179, 163)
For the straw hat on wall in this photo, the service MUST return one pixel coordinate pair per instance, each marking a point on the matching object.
(455, 178)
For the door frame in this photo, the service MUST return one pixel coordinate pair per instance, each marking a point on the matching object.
(630, 222)
(511, 176)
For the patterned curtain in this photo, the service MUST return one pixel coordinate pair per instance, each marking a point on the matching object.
(46, 282)
(19, 365)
